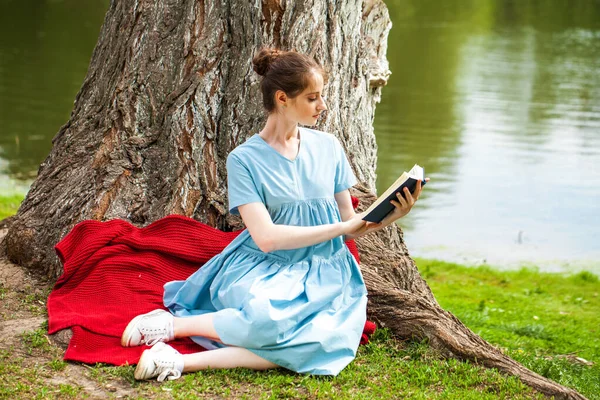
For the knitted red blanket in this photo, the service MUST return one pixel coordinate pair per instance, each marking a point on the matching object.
(114, 271)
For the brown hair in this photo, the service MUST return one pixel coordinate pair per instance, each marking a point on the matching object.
(288, 71)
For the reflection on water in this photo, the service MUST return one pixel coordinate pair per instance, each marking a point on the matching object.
(501, 104)
(45, 48)
(498, 99)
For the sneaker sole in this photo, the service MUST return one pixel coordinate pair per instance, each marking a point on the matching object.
(141, 373)
(130, 329)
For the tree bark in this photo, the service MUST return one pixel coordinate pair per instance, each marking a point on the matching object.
(170, 92)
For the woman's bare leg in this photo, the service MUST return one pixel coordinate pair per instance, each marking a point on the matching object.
(228, 357)
(198, 325)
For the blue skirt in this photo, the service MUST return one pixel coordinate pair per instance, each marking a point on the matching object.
(306, 315)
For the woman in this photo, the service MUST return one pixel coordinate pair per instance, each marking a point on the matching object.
(286, 292)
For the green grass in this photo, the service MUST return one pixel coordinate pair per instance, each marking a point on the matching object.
(24, 377)
(543, 320)
(36, 340)
(9, 205)
(498, 305)
(548, 322)
(383, 369)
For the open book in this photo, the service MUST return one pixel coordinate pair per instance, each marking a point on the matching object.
(382, 206)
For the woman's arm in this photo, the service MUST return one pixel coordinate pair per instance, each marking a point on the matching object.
(344, 202)
(402, 207)
(270, 237)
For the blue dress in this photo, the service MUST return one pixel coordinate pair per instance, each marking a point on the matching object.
(302, 309)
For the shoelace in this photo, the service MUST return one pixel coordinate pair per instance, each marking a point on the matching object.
(151, 336)
(154, 337)
(170, 374)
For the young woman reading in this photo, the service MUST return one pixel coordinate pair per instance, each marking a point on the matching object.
(286, 292)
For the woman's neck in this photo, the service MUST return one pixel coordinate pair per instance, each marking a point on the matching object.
(277, 129)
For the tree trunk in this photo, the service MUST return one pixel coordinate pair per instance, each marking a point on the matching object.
(170, 92)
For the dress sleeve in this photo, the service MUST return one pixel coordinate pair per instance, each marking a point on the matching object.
(240, 185)
(344, 177)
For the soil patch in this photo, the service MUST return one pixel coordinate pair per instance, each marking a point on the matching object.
(29, 357)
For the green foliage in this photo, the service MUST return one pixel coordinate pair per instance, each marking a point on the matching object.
(9, 205)
(585, 276)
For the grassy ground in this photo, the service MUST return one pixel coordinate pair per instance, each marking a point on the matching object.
(9, 205)
(549, 322)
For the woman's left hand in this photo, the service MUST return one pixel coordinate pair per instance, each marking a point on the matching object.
(365, 228)
(405, 202)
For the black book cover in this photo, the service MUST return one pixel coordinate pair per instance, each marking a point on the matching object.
(383, 209)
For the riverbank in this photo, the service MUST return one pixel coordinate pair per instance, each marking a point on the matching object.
(549, 322)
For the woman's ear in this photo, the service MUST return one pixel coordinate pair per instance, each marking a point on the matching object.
(281, 99)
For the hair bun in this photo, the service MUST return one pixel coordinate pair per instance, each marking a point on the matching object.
(263, 59)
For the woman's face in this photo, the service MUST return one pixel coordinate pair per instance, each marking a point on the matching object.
(308, 105)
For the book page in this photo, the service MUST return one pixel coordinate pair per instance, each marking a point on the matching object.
(416, 172)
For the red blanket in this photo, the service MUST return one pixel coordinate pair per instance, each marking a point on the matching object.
(114, 271)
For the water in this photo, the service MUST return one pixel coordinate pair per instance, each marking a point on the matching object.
(498, 100)
(45, 48)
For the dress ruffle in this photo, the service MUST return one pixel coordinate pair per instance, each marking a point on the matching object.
(302, 309)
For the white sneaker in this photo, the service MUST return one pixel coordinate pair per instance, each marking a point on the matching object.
(149, 329)
(160, 362)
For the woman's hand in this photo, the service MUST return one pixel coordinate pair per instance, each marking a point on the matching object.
(356, 226)
(404, 203)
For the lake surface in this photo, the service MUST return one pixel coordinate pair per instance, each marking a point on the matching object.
(498, 100)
